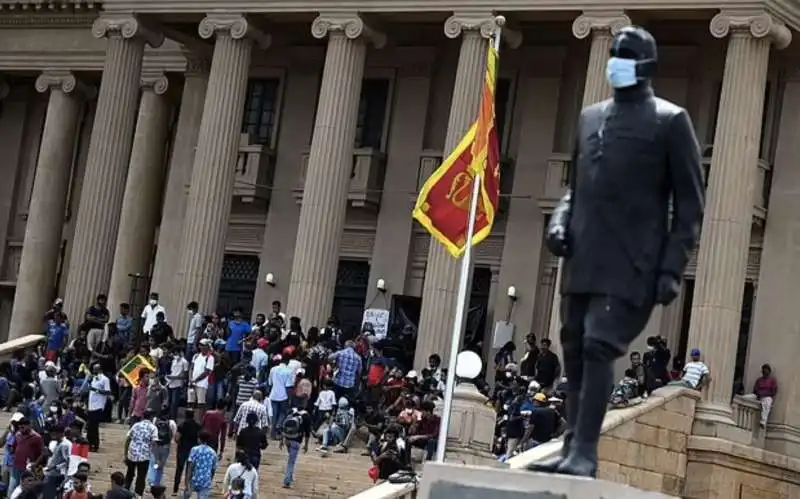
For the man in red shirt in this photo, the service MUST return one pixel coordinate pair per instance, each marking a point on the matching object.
(425, 432)
(765, 389)
(214, 422)
(28, 448)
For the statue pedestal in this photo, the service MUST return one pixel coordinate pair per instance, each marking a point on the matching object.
(472, 423)
(453, 481)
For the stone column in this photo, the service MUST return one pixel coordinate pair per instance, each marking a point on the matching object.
(37, 269)
(440, 289)
(601, 26)
(724, 246)
(213, 174)
(107, 163)
(141, 202)
(165, 270)
(316, 254)
(776, 314)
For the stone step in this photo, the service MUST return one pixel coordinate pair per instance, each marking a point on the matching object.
(335, 476)
(453, 481)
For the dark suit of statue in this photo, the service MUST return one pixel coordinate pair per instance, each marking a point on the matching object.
(622, 253)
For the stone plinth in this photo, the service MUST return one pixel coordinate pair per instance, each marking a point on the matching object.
(471, 432)
(451, 481)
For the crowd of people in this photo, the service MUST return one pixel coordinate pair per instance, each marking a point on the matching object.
(229, 382)
(184, 397)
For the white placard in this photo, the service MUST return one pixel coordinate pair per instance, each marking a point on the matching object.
(379, 318)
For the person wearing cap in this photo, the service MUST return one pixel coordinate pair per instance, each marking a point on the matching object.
(543, 422)
(260, 358)
(695, 374)
(57, 464)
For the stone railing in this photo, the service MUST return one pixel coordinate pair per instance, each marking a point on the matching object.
(11, 259)
(366, 178)
(254, 171)
(747, 415)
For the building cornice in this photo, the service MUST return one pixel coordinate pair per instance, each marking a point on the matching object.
(788, 10)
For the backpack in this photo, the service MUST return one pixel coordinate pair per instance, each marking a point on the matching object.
(164, 432)
(292, 427)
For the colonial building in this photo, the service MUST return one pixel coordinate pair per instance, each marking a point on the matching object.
(239, 152)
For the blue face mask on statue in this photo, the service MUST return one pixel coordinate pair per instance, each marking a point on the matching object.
(621, 73)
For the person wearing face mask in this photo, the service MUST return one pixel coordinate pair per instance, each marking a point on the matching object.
(196, 320)
(149, 313)
(623, 253)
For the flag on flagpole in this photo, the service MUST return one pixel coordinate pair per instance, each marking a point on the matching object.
(443, 205)
(133, 369)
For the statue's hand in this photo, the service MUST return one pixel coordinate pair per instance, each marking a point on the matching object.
(667, 289)
(557, 240)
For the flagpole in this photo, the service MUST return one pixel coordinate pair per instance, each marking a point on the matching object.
(461, 303)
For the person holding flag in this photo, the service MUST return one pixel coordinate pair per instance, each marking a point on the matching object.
(458, 205)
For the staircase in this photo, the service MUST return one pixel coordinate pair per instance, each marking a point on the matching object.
(335, 476)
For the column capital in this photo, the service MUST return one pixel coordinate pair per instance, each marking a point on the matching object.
(590, 21)
(237, 26)
(126, 27)
(759, 24)
(155, 81)
(64, 81)
(485, 23)
(349, 23)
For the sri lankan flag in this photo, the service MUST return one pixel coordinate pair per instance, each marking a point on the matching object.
(134, 367)
(444, 202)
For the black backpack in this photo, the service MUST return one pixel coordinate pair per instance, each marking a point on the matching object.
(293, 426)
(164, 432)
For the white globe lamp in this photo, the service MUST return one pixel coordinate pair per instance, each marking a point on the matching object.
(468, 365)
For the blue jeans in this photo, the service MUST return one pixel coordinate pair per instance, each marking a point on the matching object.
(279, 410)
(216, 392)
(13, 480)
(293, 448)
(159, 455)
(335, 434)
(190, 350)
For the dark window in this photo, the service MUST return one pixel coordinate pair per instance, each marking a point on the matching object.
(261, 109)
(763, 146)
(372, 113)
(502, 105)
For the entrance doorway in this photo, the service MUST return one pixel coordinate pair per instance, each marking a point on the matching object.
(237, 286)
(350, 294)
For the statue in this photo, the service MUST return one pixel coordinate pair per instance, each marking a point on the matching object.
(634, 154)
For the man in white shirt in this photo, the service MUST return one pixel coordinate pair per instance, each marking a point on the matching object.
(99, 391)
(695, 374)
(178, 373)
(202, 366)
(149, 313)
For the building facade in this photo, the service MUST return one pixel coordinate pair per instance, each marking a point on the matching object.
(235, 153)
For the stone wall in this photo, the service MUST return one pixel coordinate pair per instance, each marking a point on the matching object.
(647, 448)
(721, 469)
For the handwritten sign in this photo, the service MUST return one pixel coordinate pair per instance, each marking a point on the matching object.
(379, 318)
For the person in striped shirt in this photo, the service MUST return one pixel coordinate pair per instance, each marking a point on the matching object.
(695, 373)
(256, 406)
